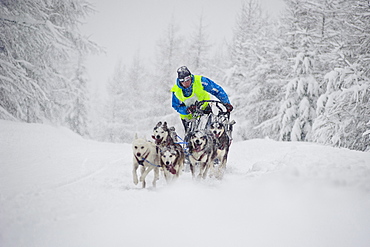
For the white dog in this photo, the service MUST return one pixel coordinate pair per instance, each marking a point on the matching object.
(146, 156)
(202, 152)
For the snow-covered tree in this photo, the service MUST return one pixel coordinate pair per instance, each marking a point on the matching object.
(130, 102)
(343, 111)
(197, 53)
(138, 80)
(246, 33)
(243, 62)
(298, 110)
(38, 40)
(170, 52)
(302, 24)
(120, 109)
(77, 112)
(355, 40)
(255, 71)
(169, 56)
(96, 112)
(343, 47)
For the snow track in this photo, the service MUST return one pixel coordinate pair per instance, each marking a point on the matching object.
(57, 189)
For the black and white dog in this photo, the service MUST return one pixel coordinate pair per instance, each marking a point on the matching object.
(202, 153)
(171, 153)
(222, 142)
(172, 162)
(164, 136)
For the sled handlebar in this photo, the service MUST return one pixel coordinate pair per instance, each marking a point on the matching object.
(222, 110)
(216, 102)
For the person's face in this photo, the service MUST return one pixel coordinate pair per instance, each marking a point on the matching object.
(186, 82)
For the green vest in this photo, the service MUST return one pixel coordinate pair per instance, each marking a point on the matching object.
(198, 94)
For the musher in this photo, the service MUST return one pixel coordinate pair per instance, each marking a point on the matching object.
(191, 88)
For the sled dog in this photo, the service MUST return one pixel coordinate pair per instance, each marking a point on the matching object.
(172, 161)
(146, 157)
(164, 136)
(166, 139)
(222, 141)
(201, 153)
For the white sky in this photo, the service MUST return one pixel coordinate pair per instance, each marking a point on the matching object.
(124, 27)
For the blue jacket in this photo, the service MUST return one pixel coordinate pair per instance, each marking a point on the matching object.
(208, 85)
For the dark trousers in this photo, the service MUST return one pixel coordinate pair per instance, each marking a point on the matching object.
(186, 125)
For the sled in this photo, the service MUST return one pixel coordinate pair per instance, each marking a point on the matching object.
(205, 116)
(215, 112)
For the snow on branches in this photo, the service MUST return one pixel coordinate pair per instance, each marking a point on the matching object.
(343, 110)
(298, 110)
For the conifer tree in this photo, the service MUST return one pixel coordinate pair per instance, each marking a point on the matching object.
(343, 113)
(343, 110)
(299, 107)
(38, 42)
(170, 54)
(77, 112)
(256, 72)
(197, 54)
(119, 112)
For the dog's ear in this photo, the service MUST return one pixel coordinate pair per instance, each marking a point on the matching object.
(190, 144)
(136, 136)
(165, 126)
(158, 125)
(190, 147)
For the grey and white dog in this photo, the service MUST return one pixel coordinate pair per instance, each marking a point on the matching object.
(202, 153)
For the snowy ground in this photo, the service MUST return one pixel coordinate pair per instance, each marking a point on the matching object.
(57, 189)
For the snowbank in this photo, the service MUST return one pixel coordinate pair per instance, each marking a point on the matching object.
(58, 189)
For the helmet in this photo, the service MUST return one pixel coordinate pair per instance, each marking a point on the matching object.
(183, 72)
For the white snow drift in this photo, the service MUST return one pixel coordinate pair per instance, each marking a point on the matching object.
(58, 189)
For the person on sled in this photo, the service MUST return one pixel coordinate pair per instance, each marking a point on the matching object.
(190, 88)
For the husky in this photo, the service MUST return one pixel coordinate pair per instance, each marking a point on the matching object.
(166, 139)
(172, 161)
(202, 152)
(164, 136)
(222, 142)
(147, 158)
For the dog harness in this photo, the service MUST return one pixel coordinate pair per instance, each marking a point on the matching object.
(141, 162)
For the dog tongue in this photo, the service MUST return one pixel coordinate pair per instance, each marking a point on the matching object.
(198, 148)
(172, 170)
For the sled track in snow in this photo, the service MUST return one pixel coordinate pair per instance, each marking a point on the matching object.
(85, 176)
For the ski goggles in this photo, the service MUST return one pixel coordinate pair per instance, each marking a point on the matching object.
(185, 79)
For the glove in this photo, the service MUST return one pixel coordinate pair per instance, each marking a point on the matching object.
(229, 107)
(191, 109)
